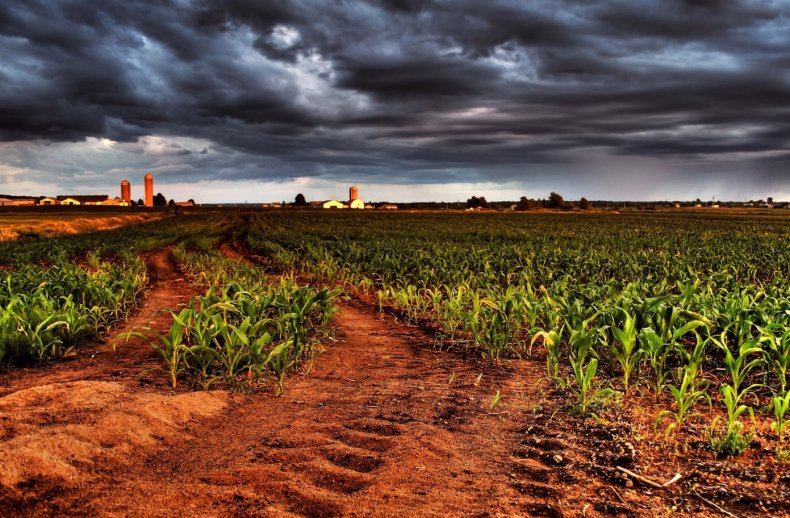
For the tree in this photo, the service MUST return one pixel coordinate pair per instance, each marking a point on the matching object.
(299, 201)
(140, 203)
(526, 204)
(191, 200)
(584, 204)
(475, 202)
(171, 203)
(770, 200)
(556, 200)
(160, 200)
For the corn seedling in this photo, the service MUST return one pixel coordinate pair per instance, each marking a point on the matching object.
(781, 404)
(685, 396)
(732, 442)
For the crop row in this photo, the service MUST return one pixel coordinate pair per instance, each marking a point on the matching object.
(247, 326)
(61, 292)
(134, 238)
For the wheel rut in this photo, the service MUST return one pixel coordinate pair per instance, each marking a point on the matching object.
(366, 433)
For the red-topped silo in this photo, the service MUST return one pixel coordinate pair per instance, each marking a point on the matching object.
(149, 190)
(126, 191)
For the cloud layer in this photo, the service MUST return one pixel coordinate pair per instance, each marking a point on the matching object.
(660, 96)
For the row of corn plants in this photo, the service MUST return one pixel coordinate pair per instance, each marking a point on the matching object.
(52, 303)
(695, 310)
(247, 328)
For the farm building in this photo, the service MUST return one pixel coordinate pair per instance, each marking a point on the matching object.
(126, 190)
(118, 202)
(16, 202)
(354, 201)
(149, 190)
(89, 199)
(48, 201)
(388, 206)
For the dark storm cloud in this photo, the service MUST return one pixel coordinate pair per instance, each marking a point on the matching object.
(424, 91)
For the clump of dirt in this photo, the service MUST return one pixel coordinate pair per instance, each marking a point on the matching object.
(55, 431)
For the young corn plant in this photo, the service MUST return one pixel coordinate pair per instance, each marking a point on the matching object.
(777, 353)
(451, 317)
(740, 366)
(551, 341)
(279, 360)
(498, 336)
(657, 351)
(39, 336)
(625, 348)
(233, 352)
(733, 441)
(584, 387)
(172, 347)
(685, 397)
(781, 404)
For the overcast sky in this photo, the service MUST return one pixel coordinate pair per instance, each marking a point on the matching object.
(258, 100)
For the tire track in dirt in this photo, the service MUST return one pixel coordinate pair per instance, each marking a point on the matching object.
(376, 429)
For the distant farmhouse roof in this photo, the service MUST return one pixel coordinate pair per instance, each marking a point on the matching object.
(16, 202)
(84, 198)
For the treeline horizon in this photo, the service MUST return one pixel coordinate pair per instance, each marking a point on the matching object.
(552, 201)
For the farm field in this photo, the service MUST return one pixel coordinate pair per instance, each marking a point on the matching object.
(439, 363)
(35, 222)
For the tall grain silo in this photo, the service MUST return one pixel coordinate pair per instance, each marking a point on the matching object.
(126, 191)
(149, 190)
(353, 193)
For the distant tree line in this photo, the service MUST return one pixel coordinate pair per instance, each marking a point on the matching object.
(159, 201)
(554, 201)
